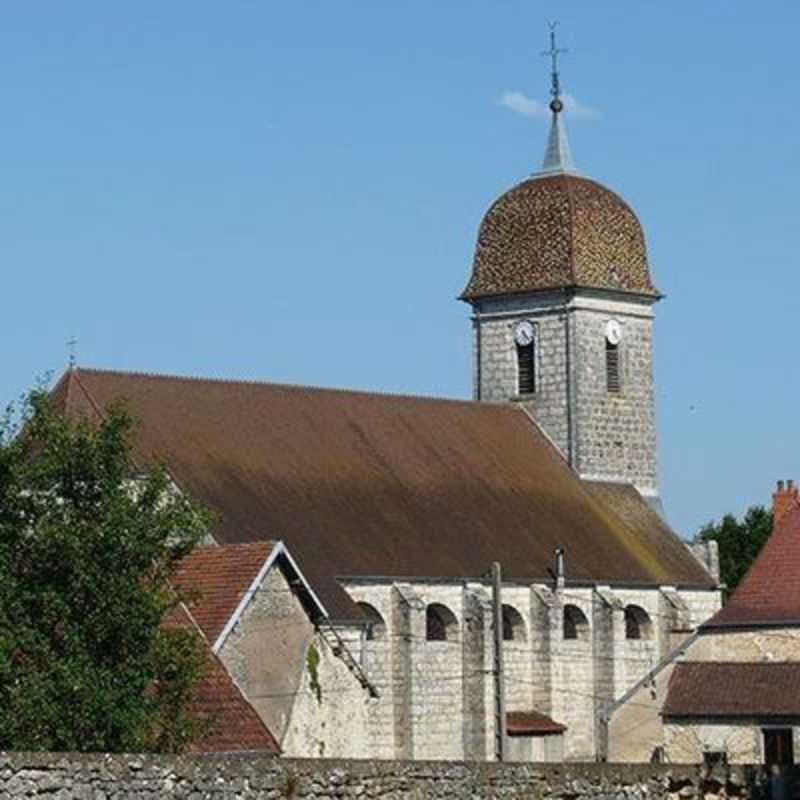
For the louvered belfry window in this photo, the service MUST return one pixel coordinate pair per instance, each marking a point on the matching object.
(612, 367)
(526, 369)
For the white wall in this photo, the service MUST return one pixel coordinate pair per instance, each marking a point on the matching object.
(437, 697)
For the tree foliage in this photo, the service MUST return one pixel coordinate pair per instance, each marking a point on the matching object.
(740, 541)
(87, 546)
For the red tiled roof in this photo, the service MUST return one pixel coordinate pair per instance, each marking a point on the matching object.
(235, 725)
(769, 593)
(360, 484)
(213, 580)
(733, 689)
(532, 723)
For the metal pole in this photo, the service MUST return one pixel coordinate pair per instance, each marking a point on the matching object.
(499, 671)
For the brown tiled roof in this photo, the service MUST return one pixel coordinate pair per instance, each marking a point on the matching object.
(559, 231)
(234, 724)
(532, 723)
(213, 581)
(733, 689)
(361, 484)
(641, 518)
(769, 594)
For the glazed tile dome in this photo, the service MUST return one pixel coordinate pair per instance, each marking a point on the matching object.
(558, 231)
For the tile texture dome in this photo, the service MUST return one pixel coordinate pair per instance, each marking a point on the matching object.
(555, 232)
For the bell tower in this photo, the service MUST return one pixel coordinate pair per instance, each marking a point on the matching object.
(562, 303)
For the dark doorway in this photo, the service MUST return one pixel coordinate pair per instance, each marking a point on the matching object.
(778, 748)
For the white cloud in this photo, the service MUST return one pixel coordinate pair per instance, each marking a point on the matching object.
(578, 110)
(520, 103)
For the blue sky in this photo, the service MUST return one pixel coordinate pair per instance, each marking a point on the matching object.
(291, 192)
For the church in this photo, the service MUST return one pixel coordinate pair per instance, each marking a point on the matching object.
(347, 588)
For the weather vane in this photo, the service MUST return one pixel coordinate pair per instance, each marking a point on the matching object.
(72, 349)
(555, 86)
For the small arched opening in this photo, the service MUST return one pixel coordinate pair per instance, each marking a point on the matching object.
(576, 626)
(637, 623)
(376, 627)
(440, 623)
(513, 625)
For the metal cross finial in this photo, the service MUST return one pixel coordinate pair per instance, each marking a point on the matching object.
(72, 347)
(555, 86)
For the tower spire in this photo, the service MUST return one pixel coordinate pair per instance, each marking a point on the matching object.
(557, 156)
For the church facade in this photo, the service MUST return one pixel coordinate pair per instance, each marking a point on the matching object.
(377, 639)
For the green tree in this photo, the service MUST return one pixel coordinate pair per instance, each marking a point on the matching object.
(739, 541)
(87, 546)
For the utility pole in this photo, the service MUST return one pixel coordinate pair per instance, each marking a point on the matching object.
(499, 669)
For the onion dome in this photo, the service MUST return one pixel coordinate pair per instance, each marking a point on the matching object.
(559, 230)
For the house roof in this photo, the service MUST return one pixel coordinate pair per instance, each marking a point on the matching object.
(214, 580)
(370, 485)
(555, 232)
(234, 724)
(769, 594)
(733, 689)
(532, 723)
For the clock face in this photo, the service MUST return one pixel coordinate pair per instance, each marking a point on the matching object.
(523, 333)
(613, 331)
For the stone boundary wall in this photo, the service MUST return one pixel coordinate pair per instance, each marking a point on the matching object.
(240, 777)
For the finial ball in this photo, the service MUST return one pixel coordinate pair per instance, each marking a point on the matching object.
(556, 106)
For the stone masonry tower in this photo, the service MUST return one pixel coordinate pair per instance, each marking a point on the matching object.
(562, 304)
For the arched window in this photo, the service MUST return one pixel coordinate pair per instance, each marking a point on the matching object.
(440, 623)
(612, 368)
(513, 625)
(376, 627)
(526, 368)
(576, 626)
(637, 623)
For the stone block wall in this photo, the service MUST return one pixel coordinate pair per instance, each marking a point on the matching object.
(436, 698)
(495, 359)
(250, 777)
(605, 436)
(758, 644)
(616, 431)
(575, 667)
(742, 742)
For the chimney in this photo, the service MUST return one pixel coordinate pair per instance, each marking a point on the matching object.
(785, 498)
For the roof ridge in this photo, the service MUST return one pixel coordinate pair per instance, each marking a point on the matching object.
(279, 385)
(75, 376)
(216, 547)
(185, 608)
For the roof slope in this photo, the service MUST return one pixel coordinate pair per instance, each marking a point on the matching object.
(234, 724)
(733, 689)
(532, 723)
(361, 484)
(214, 580)
(769, 593)
(640, 517)
(555, 232)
